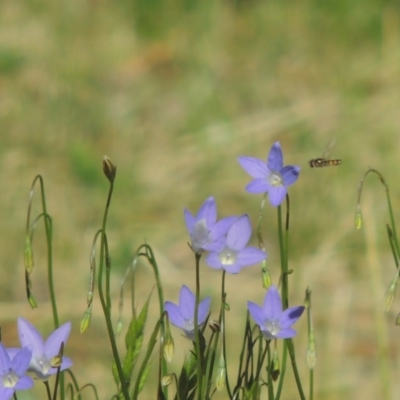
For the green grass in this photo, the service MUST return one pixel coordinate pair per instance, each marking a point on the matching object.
(173, 95)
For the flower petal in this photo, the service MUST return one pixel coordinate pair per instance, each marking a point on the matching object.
(290, 316)
(239, 234)
(272, 304)
(233, 268)
(21, 361)
(213, 260)
(218, 231)
(29, 336)
(286, 333)
(204, 309)
(174, 314)
(24, 383)
(53, 342)
(290, 174)
(250, 256)
(6, 393)
(275, 158)
(276, 195)
(254, 166)
(256, 312)
(189, 220)
(5, 361)
(208, 211)
(258, 186)
(187, 300)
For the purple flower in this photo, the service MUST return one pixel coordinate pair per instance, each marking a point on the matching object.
(13, 366)
(205, 232)
(44, 354)
(234, 255)
(182, 315)
(270, 177)
(273, 322)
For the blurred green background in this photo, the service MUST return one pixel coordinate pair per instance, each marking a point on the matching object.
(173, 92)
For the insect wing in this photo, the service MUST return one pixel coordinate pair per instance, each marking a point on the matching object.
(329, 149)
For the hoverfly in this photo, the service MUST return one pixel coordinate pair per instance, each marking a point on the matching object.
(324, 160)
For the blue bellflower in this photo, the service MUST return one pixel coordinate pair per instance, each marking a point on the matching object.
(44, 361)
(234, 255)
(182, 315)
(205, 232)
(270, 177)
(13, 366)
(273, 322)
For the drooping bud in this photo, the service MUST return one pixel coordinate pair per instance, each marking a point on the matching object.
(28, 255)
(85, 322)
(275, 367)
(109, 169)
(266, 277)
(358, 217)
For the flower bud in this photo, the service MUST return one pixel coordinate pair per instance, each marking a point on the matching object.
(311, 353)
(215, 326)
(220, 379)
(167, 380)
(85, 322)
(28, 255)
(109, 169)
(358, 218)
(169, 349)
(266, 277)
(275, 368)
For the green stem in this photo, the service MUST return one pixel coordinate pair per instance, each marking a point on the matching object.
(223, 302)
(106, 309)
(197, 333)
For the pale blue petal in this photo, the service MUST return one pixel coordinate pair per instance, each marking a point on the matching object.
(186, 303)
(208, 211)
(276, 195)
(204, 309)
(272, 304)
(290, 174)
(29, 336)
(174, 314)
(256, 312)
(24, 383)
(233, 269)
(286, 333)
(250, 256)
(275, 157)
(239, 234)
(6, 393)
(213, 260)
(258, 186)
(21, 361)
(53, 343)
(5, 361)
(254, 166)
(189, 220)
(221, 227)
(290, 316)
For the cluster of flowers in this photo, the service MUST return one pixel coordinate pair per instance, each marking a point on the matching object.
(35, 355)
(226, 242)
